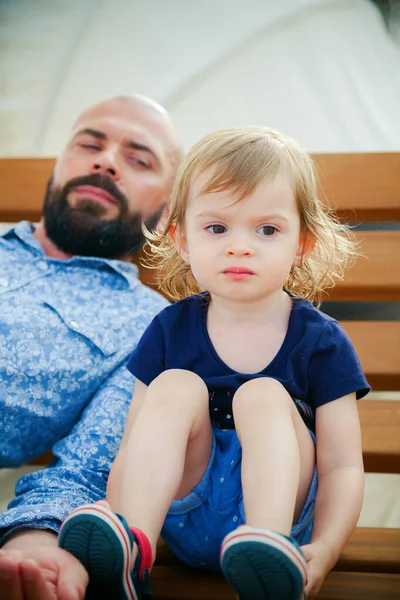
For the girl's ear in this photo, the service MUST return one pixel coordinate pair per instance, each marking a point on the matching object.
(306, 246)
(179, 238)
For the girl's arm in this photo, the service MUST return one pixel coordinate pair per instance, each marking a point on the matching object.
(340, 485)
(115, 477)
(340, 473)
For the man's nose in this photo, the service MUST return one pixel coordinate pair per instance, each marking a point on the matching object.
(106, 164)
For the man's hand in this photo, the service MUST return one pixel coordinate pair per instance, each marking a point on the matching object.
(33, 567)
(319, 563)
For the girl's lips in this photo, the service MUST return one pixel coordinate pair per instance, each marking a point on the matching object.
(238, 273)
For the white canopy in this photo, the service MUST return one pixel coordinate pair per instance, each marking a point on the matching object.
(324, 71)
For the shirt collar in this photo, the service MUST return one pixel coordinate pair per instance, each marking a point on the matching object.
(25, 230)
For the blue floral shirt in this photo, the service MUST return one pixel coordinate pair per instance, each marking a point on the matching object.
(67, 328)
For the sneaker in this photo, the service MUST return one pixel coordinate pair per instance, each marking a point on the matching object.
(102, 541)
(263, 565)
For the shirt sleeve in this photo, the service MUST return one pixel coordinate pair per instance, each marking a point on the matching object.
(79, 472)
(147, 361)
(334, 369)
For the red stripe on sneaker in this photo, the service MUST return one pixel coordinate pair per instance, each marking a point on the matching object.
(145, 549)
(276, 539)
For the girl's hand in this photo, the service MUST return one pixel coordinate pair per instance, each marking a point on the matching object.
(319, 563)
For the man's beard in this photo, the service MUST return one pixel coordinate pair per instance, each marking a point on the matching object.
(82, 230)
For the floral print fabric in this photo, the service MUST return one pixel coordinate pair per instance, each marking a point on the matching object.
(67, 328)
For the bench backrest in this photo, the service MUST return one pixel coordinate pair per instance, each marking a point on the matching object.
(364, 188)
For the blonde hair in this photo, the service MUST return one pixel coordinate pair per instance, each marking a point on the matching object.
(239, 159)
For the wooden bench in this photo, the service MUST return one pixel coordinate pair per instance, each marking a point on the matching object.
(363, 188)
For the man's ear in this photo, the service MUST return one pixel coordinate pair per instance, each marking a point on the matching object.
(179, 238)
(306, 246)
(162, 221)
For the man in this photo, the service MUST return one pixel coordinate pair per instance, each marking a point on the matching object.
(72, 310)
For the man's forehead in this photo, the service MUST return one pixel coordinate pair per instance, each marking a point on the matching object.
(135, 119)
(121, 120)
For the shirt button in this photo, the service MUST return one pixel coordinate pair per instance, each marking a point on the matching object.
(42, 266)
(3, 282)
(73, 324)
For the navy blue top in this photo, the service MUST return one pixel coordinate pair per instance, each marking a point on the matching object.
(316, 363)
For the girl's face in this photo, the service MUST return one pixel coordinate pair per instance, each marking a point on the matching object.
(242, 251)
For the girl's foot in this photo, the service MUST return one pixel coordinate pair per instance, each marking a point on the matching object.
(263, 565)
(106, 546)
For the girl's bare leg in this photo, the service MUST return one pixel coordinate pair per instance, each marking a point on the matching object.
(168, 450)
(278, 455)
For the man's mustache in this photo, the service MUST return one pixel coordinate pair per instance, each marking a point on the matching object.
(100, 181)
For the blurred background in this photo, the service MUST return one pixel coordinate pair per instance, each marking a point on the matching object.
(326, 72)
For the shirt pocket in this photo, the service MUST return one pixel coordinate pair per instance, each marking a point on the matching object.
(87, 321)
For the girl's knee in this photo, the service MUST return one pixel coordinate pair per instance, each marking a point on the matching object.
(179, 377)
(178, 384)
(261, 393)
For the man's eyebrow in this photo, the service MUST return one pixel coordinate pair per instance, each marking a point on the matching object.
(100, 135)
(141, 147)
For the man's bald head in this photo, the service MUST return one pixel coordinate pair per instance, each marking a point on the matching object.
(132, 99)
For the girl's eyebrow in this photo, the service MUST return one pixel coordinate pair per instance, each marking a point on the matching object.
(259, 219)
(273, 217)
(208, 213)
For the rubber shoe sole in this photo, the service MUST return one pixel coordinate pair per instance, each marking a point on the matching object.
(102, 542)
(263, 565)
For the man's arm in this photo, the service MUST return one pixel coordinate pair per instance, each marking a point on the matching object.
(31, 564)
(82, 463)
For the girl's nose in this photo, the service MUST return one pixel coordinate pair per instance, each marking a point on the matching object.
(239, 246)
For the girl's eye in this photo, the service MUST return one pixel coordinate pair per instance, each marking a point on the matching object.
(267, 230)
(216, 229)
(90, 146)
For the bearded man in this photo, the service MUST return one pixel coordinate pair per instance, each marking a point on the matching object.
(72, 310)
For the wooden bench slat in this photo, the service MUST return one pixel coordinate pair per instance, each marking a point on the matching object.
(360, 586)
(378, 346)
(352, 182)
(23, 186)
(380, 427)
(368, 568)
(373, 550)
(43, 460)
(361, 186)
(370, 549)
(375, 276)
(177, 582)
